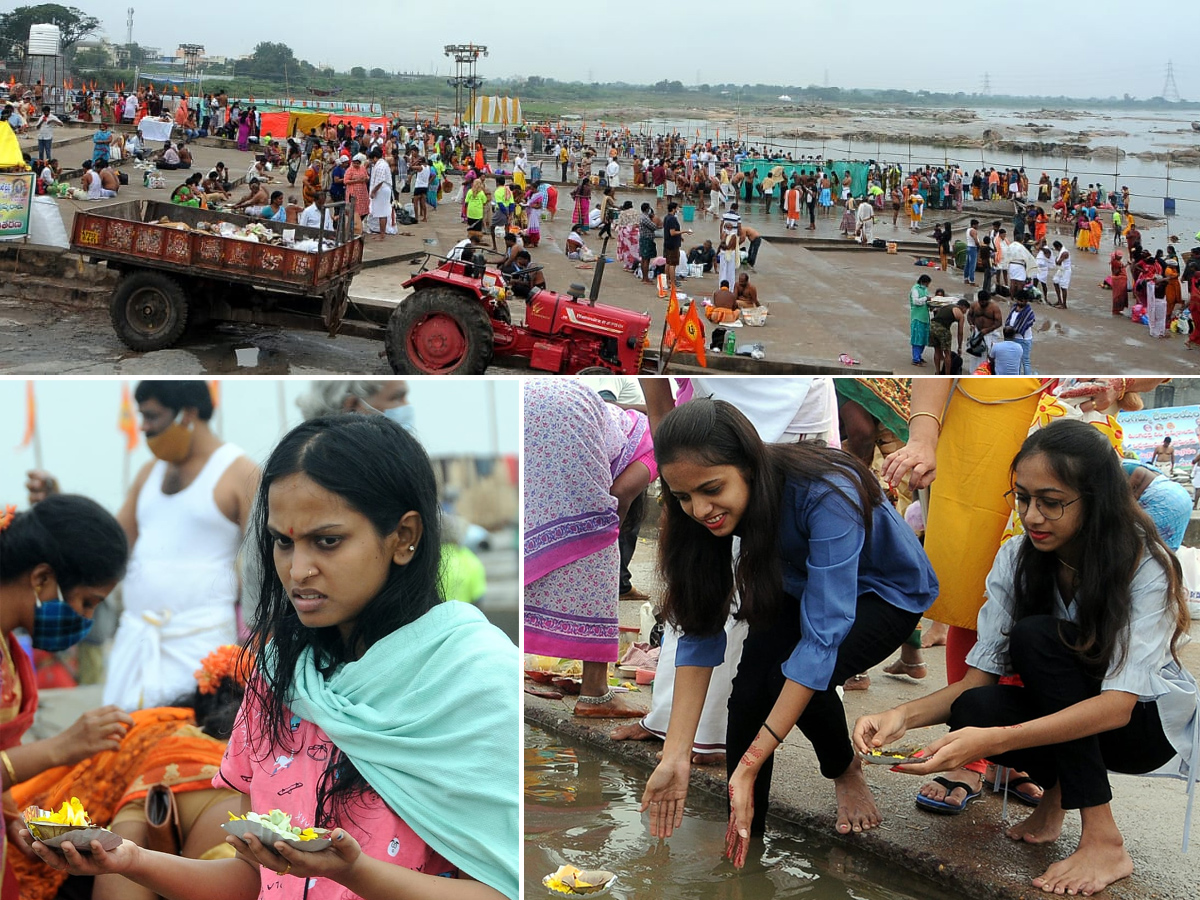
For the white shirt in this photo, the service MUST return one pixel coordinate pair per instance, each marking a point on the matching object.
(311, 217)
(422, 177)
(1149, 670)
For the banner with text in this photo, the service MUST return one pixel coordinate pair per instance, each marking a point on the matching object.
(16, 197)
(1146, 429)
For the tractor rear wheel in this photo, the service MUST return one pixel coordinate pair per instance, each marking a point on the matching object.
(439, 331)
(149, 310)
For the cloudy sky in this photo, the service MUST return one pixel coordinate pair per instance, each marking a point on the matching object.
(937, 45)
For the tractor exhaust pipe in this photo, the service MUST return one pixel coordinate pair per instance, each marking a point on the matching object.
(594, 293)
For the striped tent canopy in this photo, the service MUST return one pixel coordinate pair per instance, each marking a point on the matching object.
(497, 111)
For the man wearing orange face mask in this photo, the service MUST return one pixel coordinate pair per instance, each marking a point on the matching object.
(185, 516)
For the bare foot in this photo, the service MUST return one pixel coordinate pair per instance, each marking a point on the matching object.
(616, 708)
(634, 731)
(856, 807)
(956, 797)
(708, 759)
(934, 636)
(1045, 824)
(901, 669)
(1091, 868)
(857, 683)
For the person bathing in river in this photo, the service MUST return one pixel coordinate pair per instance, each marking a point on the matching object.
(831, 580)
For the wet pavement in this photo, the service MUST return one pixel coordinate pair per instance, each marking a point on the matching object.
(967, 854)
(581, 808)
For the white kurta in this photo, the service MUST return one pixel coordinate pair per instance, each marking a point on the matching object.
(381, 200)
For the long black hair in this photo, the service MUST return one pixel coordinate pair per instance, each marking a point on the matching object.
(695, 564)
(216, 712)
(77, 537)
(1114, 534)
(382, 472)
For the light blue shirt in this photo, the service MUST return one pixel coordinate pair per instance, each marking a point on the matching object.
(1149, 670)
(1006, 357)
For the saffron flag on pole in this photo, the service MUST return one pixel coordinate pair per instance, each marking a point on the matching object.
(30, 415)
(674, 319)
(126, 423)
(214, 391)
(692, 337)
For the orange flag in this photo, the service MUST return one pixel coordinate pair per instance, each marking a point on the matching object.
(692, 337)
(30, 415)
(214, 391)
(126, 423)
(674, 319)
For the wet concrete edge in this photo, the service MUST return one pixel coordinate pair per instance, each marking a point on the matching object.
(960, 875)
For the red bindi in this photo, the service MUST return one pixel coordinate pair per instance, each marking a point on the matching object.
(292, 532)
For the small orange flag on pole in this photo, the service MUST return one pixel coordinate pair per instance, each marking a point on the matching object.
(126, 422)
(674, 319)
(693, 333)
(214, 391)
(30, 415)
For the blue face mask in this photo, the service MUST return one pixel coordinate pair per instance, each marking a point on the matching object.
(57, 626)
(404, 416)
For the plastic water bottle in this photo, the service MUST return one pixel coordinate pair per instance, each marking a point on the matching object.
(730, 342)
(647, 621)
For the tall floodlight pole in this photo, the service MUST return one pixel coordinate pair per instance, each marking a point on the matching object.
(465, 81)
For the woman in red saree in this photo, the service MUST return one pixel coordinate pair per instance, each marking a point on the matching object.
(58, 561)
(1119, 282)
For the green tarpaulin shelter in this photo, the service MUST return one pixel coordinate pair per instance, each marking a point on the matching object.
(858, 172)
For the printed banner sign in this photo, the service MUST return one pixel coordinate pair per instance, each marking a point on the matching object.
(1146, 429)
(16, 199)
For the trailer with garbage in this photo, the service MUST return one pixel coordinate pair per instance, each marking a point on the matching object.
(182, 266)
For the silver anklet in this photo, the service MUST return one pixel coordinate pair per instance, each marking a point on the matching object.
(596, 701)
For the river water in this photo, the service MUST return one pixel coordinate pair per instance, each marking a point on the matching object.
(582, 808)
(1149, 182)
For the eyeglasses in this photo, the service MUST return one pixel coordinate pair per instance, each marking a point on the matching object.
(1051, 510)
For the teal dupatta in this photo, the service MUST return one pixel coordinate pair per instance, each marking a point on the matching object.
(430, 718)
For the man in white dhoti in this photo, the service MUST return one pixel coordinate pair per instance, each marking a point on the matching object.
(380, 191)
(185, 516)
(865, 216)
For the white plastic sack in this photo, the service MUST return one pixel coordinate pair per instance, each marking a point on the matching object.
(46, 226)
(1189, 561)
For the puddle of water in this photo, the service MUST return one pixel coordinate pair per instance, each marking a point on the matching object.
(582, 809)
(237, 352)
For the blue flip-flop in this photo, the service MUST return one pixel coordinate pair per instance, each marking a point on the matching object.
(941, 806)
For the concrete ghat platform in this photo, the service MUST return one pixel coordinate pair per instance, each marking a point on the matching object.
(968, 854)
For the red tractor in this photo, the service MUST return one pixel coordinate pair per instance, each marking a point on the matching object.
(457, 319)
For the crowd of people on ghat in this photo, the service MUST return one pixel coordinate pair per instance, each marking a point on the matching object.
(318, 702)
(499, 190)
(809, 524)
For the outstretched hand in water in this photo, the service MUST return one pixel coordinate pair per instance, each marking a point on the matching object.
(741, 814)
(665, 793)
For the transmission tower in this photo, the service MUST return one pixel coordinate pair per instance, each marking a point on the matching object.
(1170, 90)
(987, 85)
(129, 26)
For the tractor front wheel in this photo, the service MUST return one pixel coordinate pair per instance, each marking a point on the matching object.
(439, 331)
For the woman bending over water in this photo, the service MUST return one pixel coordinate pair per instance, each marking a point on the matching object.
(830, 579)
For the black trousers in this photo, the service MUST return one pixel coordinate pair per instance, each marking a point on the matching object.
(752, 256)
(1053, 680)
(878, 629)
(627, 538)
